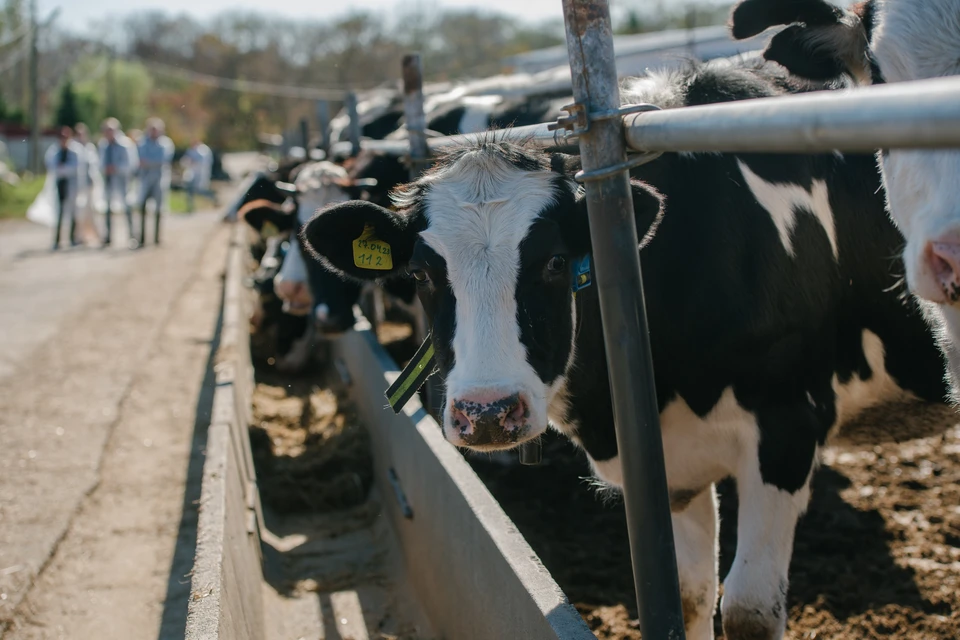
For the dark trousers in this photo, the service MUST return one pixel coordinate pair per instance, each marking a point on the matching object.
(63, 191)
(154, 194)
(109, 213)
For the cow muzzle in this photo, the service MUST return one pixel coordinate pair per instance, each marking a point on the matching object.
(933, 271)
(489, 421)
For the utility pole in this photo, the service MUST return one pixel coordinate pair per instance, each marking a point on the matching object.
(111, 93)
(34, 149)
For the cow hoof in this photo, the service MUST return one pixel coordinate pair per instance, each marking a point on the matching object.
(748, 623)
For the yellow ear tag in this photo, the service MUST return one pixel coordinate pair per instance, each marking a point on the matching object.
(268, 230)
(370, 252)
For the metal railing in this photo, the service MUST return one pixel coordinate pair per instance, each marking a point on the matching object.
(908, 115)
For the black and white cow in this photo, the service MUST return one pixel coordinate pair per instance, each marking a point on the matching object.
(774, 309)
(874, 42)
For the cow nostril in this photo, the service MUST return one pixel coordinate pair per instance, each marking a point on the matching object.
(516, 415)
(461, 422)
(944, 261)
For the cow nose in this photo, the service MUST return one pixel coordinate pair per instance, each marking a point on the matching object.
(944, 260)
(481, 419)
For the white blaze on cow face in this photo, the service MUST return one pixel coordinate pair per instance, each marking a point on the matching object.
(479, 210)
(913, 40)
(316, 188)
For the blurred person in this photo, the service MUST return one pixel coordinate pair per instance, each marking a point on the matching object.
(118, 160)
(64, 161)
(156, 156)
(197, 162)
(90, 188)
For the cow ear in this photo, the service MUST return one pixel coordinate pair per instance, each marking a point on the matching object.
(260, 212)
(647, 212)
(825, 43)
(565, 164)
(362, 240)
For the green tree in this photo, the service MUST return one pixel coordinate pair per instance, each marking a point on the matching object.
(68, 113)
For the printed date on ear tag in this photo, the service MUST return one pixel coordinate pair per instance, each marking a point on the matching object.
(370, 252)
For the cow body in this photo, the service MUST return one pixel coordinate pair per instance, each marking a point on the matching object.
(774, 317)
(880, 41)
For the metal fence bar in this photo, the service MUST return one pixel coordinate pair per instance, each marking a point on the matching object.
(537, 133)
(616, 265)
(413, 111)
(412, 70)
(350, 103)
(323, 123)
(918, 114)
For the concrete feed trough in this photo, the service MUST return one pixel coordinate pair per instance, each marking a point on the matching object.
(467, 565)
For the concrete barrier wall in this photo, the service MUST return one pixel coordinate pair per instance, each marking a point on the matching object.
(473, 572)
(225, 593)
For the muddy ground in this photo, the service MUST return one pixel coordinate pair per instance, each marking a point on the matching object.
(876, 556)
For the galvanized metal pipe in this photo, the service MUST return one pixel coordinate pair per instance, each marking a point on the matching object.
(323, 122)
(901, 115)
(535, 133)
(413, 111)
(918, 114)
(350, 103)
(412, 70)
(616, 265)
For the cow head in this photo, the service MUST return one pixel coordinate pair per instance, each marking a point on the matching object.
(488, 235)
(884, 41)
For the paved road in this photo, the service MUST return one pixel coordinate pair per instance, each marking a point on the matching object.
(103, 357)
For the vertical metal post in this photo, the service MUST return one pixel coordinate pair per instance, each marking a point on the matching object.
(323, 122)
(412, 69)
(305, 135)
(34, 148)
(351, 105)
(627, 344)
(413, 110)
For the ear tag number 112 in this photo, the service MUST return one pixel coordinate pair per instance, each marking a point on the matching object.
(370, 252)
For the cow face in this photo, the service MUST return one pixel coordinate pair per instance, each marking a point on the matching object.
(489, 236)
(884, 41)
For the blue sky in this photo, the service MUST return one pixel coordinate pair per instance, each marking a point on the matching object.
(78, 13)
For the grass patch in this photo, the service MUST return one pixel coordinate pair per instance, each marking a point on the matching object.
(16, 199)
(178, 202)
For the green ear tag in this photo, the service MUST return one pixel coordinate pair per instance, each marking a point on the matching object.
(268, 230)
(370, 252)
(421, 366)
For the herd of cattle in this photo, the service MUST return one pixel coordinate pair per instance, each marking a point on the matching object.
(778, 286)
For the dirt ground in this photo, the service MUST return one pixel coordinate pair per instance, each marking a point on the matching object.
(98, 422)
(876, 556)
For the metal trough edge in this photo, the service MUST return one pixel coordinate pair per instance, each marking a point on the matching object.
(473, 572)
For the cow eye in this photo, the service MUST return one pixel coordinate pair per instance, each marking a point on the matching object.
(419, 275)
(556, 265)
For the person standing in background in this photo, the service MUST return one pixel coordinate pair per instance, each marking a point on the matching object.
(90, 189)
(64, 162)
(197, 162)
(156, 155)
(118, 160)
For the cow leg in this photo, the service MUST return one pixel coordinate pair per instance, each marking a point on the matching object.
(773, 484)
(695, 536)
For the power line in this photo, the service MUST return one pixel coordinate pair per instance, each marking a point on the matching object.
(247, 86)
